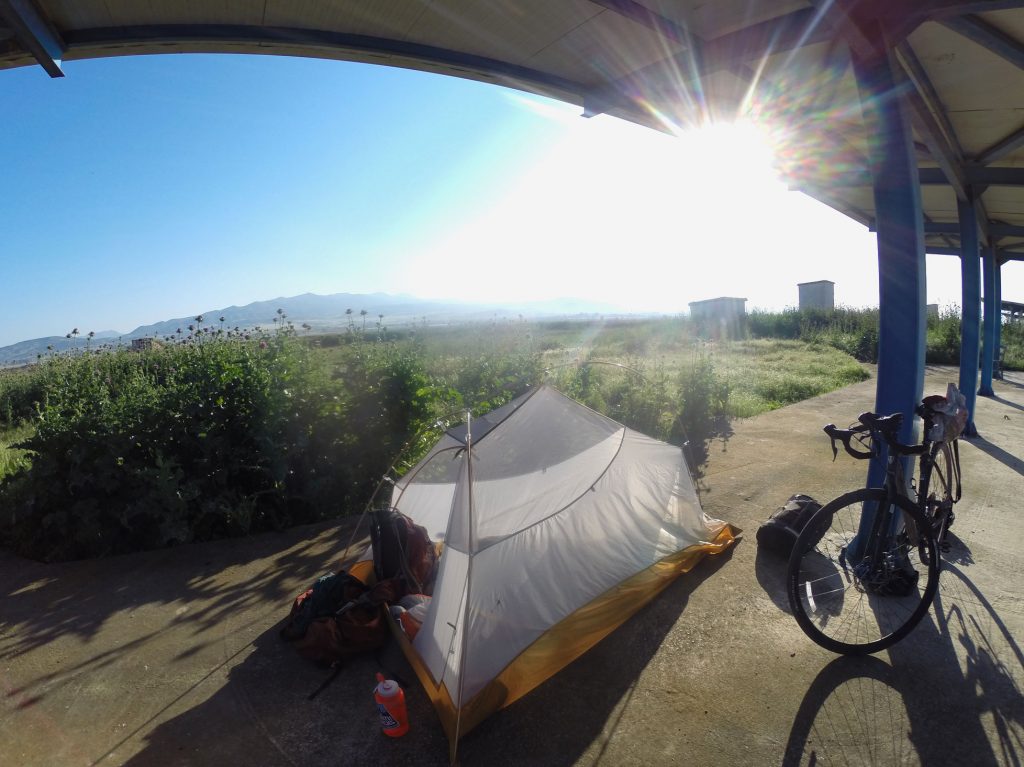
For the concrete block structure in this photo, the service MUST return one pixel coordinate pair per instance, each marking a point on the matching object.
(722, 317)
(817, 295)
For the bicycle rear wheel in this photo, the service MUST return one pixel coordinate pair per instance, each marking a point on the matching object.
(942, 491)
(852, 606)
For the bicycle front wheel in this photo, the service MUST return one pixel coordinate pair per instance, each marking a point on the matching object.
(863, 603)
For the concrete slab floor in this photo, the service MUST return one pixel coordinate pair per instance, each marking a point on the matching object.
(172, 657)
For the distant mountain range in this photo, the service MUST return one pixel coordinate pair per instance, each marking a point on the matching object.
(324, 314)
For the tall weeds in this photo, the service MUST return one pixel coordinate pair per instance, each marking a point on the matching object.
(198, 441)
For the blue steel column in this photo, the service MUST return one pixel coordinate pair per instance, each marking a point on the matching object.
(999, 308)
(901, 262)
(970, 323)
(988, 262)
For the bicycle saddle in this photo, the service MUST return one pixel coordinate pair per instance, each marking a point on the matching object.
(886, 424)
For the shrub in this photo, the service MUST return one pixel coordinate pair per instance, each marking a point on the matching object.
(198, 441)
(1012, 340)
(20, 393)
(943, 340)
(704, 401)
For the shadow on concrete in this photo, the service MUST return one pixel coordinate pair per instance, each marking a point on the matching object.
(40, 603)
(994, 451)
(262, 714)
(922, 706)
(699, 448)
(1004, 401)
(957, 551)
(770, 569)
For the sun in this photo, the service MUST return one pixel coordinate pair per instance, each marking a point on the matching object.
(614, 212)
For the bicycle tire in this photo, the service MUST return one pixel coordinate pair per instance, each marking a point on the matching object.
(943, 492)
(837, 609)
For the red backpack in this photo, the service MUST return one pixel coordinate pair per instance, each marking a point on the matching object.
(402, 550)
(338, 617)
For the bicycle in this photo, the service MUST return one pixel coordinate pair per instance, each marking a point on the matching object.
(855, 573)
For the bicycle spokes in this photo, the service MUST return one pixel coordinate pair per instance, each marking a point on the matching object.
(863, 603)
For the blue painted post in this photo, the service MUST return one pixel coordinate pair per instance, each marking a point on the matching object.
(970, 325)
(988, 263)
(999, 309)
(901, 262)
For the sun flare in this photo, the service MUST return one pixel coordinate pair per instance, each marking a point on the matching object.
(640, 219)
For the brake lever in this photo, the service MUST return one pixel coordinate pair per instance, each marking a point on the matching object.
(829, 429)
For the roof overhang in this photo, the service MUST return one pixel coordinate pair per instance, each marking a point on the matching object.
(784, 64)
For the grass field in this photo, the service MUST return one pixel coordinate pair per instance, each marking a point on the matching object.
(754, 376)
(761, 374)
(215, 437)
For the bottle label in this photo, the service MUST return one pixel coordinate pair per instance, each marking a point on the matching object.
(387, 721)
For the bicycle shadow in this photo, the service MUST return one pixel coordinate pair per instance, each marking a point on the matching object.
(958, 553)
(930, 702)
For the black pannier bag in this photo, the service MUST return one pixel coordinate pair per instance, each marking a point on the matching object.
(779, 533)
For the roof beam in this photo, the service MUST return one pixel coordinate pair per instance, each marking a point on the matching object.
(35, 33)
(783, 33)
(988, 36)
(935, 130)
(1002, 148)
(998, 231)
(643, 15)
(919, 77)
(954, 8)
(937, 251)
(753, 43)
(976, 176)
(214, 34)
(899, 18)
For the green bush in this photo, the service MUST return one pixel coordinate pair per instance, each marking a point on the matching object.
(704, 402)
(1011, 337)
(853, 331)
(943, 340)
(198, 441)
(236, 434)
(20, 393)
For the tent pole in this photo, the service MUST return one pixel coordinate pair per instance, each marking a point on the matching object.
(469, 582)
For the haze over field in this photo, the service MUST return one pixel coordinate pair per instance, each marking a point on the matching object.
(322, 314)
(160, 186)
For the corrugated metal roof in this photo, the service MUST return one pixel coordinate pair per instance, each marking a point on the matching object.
(662, 63)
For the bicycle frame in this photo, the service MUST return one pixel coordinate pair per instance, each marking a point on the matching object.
(873, 527)
(873, 523)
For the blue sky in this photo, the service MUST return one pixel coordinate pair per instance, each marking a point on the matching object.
(143, 188)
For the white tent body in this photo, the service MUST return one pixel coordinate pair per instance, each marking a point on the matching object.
(546, 510)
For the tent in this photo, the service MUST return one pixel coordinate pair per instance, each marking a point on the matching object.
(556, 524)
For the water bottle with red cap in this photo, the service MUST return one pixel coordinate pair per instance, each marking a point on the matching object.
(390, 699)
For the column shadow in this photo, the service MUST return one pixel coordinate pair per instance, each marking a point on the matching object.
(1004, 401)
(994, 451)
